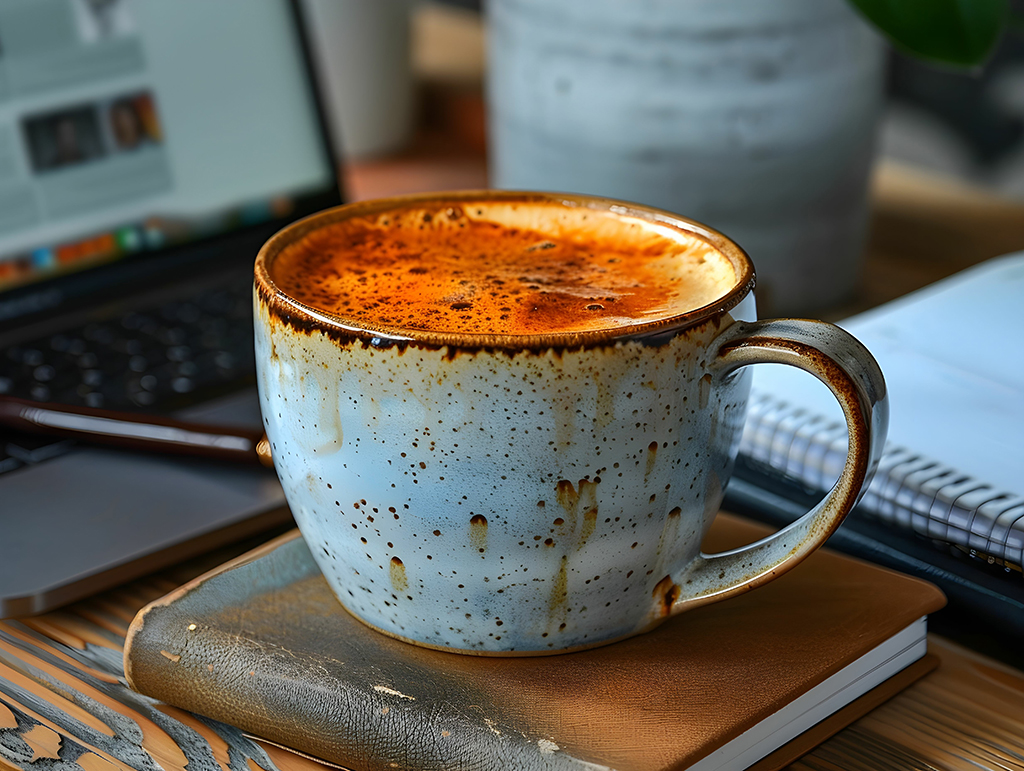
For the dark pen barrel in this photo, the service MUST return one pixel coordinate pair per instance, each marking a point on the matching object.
(134, 432)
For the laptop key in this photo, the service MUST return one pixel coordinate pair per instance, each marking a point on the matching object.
(179, 353)
(32, 357)
(144, 398)
(27, 357)
(126, 345)
(60, 343)
(99, 333)
(87, 360)
(171, 336)
(44, 373)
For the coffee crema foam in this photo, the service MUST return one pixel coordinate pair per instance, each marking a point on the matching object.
(502, 268)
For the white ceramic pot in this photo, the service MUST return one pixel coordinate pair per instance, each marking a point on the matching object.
(755, 117)
(361, 51)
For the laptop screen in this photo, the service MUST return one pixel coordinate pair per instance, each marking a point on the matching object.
(128, 126)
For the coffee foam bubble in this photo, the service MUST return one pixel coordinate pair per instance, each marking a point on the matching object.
(502, 268)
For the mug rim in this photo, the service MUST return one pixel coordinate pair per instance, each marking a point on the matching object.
(309, 318)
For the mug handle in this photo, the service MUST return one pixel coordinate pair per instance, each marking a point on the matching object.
(842, 363)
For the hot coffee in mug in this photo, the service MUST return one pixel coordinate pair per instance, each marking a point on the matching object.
(505, 421)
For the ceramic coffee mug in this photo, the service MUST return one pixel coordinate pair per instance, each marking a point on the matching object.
(524, 494)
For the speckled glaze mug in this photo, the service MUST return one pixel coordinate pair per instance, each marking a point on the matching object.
(498, 493)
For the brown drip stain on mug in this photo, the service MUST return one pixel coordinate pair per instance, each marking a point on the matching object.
(665, 595)
(398, 578)
(559, 593)
(588, 494)
(574, 500)
(652, 456)
(478, 532)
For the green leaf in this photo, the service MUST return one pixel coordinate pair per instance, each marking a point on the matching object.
(957, 32)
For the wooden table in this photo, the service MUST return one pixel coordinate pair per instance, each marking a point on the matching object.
(63, 704)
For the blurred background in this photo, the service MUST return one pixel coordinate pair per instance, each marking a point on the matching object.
(966, 125)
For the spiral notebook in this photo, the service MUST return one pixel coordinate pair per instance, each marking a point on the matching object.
(953, 466)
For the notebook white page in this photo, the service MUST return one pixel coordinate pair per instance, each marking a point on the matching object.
(953, 359)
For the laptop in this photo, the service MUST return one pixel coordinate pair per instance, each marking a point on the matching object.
(147, 150)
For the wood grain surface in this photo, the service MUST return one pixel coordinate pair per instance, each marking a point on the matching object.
(64, 705)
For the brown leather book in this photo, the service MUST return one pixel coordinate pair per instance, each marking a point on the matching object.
(261, 643)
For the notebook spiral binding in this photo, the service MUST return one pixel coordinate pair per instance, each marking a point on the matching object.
(909, 491)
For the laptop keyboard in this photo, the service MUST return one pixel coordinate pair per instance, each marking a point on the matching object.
(153, 360)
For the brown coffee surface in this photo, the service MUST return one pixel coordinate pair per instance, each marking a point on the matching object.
(501, 268)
